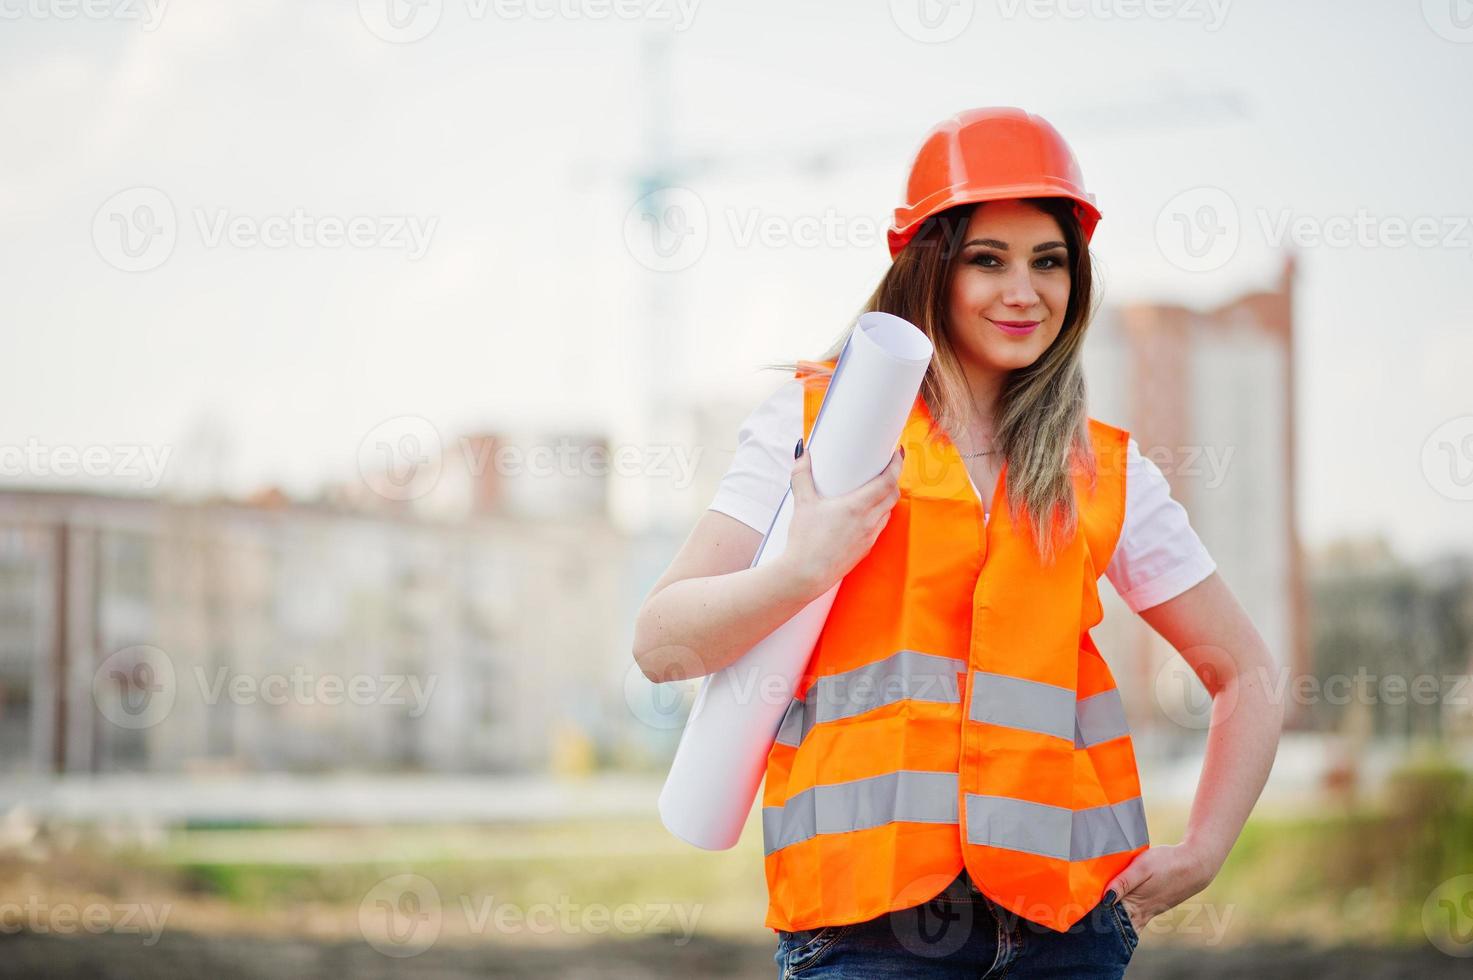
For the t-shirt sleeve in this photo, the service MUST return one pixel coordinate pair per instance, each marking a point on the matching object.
(1159, 555)
(760, 471)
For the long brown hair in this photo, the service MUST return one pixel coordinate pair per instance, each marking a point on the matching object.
(1042, 413)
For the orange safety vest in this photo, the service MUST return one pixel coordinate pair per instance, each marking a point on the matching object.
(955, 712)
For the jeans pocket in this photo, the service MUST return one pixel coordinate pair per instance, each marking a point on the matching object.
(1128, 935)
(806, 947)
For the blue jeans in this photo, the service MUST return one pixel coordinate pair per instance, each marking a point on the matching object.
(961, 933)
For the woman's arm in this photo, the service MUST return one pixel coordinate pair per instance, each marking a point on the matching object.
(1212, 632)
(710, 608)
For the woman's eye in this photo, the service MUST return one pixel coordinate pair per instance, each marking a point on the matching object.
(988, 261)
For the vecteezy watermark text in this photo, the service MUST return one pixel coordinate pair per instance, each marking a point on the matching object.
(1200, 229)
(150, 13)
(1366, 687)
(137, 229)
(38, 916)
(1209, 13)
(408, 233)
(136, 687)
(298, 686)
(407, 21)
(403, 915)
(37, 460)
(403, 458)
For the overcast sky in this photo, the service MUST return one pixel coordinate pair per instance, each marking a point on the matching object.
(489, 152)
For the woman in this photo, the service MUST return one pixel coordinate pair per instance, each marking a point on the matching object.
(953, 791)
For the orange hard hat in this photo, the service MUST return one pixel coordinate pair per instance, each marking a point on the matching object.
(989, 155)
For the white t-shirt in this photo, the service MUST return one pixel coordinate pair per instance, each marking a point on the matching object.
(1158, 556)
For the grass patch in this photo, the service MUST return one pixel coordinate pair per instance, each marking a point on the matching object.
(1354, 876)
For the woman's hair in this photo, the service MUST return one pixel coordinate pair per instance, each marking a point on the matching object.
(1042, 421)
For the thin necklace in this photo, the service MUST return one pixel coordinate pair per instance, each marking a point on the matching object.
(985, 452)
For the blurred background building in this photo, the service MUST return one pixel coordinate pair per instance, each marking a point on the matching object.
(498, 601)
(490, 607)
(1209, 396)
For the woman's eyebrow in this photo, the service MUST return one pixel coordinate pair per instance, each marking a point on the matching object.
(994, 243)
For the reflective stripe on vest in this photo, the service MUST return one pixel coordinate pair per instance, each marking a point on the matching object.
(955, 711)
(836, 808)
(1038, 828)
(1048, 709)
(1099, 718)
(908, 674)
(1007, 701)
(930, 797)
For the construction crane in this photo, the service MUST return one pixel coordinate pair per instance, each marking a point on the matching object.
(658, 413)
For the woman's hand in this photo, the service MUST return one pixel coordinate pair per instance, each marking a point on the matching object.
(829, 535)
(1158, 879)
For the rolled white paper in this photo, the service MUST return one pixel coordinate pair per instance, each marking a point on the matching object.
(734, 720)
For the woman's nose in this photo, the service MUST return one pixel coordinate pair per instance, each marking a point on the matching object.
(1018, 289)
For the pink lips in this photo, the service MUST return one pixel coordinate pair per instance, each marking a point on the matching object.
(1018, 328)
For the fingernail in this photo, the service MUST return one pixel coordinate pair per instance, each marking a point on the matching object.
(798, 449)
(902, 452)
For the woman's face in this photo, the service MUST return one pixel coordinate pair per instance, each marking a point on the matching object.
(1012, 271)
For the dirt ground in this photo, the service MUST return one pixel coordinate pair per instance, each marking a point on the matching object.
(183, 954)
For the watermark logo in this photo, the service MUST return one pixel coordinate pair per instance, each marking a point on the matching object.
(1199, 229)
(1451, 20)
(401, 915)
(400, 21)
(135, 687)
(1447, 458)
(1183, 686)
(1447, 916)
(667, 229)
(135, 230)
(936, 928)
(401, 458)
(664, 705)
(932, 21)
